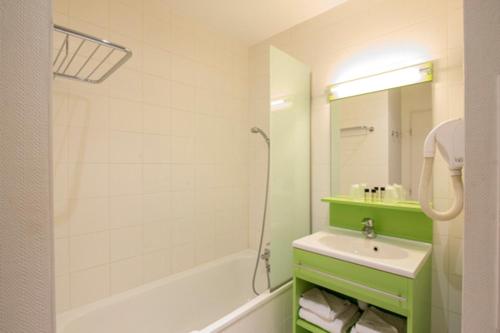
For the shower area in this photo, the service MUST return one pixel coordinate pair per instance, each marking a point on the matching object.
(162, 220)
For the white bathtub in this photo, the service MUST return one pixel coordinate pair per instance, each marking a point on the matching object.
(214, 297)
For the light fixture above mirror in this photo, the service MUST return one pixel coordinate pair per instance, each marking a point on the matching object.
(391, 79)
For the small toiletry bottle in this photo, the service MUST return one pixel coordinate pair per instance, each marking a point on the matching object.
(374, 194)
(354, 193)
(377, 194)
(400, 191)
(362, 188)
(382, 194)
(367, 194)
(391, 195)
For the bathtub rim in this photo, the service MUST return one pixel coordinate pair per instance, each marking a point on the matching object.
(245, 309)
(64, 318)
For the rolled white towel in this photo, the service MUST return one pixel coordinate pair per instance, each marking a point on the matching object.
(340, 325)
(325, 305)
(370, 322)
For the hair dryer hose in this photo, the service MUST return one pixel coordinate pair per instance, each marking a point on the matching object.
(423, 193)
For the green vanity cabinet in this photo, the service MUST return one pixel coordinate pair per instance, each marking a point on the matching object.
(404, 296)
(407, 295)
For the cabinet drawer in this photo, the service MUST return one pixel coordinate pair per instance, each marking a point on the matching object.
(376, 287)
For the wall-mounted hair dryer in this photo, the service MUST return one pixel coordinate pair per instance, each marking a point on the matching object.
(449, 138)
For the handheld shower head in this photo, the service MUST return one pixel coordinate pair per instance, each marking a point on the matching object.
(256, 130)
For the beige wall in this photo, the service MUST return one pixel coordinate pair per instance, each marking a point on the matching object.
(482, 91)
(393, 136)
(150, 167)
(26, 263)
(360, 38)
(416, 98)
(259, 99)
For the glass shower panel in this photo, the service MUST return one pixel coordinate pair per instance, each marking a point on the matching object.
(289, 196)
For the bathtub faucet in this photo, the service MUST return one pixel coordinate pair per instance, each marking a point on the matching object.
(266, 256)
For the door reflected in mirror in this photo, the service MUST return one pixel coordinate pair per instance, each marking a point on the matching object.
(377, 141)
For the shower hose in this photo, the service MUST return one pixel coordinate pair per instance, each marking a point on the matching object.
(262, 230)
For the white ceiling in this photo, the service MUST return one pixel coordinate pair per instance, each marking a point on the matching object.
(252, 21)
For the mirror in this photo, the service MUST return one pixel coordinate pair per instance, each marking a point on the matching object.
(377, 140)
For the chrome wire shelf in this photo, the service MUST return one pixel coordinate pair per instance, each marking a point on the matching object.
(84, 57)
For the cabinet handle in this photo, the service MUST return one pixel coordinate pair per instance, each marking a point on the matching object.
(354, 284)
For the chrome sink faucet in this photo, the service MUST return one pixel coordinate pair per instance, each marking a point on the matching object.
(368, 228)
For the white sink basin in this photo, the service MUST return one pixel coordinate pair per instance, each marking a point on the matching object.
(394, 255)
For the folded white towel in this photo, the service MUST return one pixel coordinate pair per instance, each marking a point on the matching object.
(398, 322)
(340, 325)
(323, 304)
(362, 305)
(370, 322)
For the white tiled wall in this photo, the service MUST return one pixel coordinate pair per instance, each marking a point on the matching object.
(481, 310)
(150, 167)
(360, 38)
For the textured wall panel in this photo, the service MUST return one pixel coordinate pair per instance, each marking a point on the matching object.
(482, 66)
(26, 282)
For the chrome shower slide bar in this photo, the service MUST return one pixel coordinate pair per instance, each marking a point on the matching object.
(94, 67)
